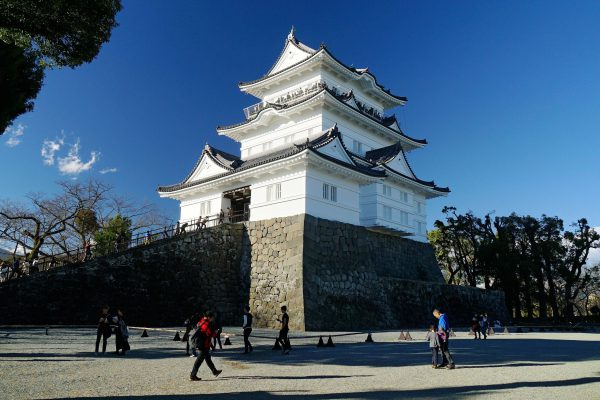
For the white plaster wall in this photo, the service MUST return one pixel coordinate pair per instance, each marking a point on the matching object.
(346, 209)
(299, 126)
(351, 131)
(190, 208)
(292, 201)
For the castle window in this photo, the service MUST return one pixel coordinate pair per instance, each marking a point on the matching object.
(329, 192)
(403, 217)
(387, 191)
(274, 192)
(387, 212)
(403, 196)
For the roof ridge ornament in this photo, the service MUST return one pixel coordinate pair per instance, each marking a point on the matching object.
(292, 34)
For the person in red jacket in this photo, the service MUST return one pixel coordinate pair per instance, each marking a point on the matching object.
(205, 334)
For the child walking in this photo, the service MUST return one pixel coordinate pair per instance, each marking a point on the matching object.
(434, 345)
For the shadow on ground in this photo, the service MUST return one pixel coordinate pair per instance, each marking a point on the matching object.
(453, 391)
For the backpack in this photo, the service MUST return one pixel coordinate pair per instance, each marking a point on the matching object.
(198, 338)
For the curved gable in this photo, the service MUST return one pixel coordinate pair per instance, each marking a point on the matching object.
(335, 148)
(205, 168)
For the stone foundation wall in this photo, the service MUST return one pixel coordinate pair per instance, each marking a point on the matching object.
(331, 276)
(158, 284)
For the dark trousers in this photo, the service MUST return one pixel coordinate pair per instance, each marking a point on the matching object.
(434, 355)
(284, 339)
(446, 357)
(247, 344)
(104, 334)
(484, 331)
(218, 339)
(204, 355)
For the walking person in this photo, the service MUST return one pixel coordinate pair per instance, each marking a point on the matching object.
(475, 328)
(444, 326)
(434, 345)
(202, 341)
(483, 325)
(283, 338)
(88, 251)
(121, 333)
(221, 216)
(104, 330)
(218, 328)
(247, 327)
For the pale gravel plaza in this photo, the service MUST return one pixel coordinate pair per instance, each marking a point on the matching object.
(516, 366)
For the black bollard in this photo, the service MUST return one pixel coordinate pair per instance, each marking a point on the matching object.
(227, 341)
(369, 338)
(330, 342)
(177, 338)
(47, 331)
(320, 344)
(144, 334)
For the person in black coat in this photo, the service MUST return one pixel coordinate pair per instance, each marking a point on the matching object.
(121, 333)
(104, 330)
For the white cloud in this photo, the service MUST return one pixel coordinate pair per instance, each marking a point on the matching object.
(14, 135)
(108, 170)
(72, 163)
(49, 149)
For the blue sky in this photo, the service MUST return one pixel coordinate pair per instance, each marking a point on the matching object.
(506, 93)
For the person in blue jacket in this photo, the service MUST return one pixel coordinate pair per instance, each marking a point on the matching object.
(444, 326)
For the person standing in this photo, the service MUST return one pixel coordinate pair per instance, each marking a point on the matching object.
(247, 327)
(475, 328)
(121, 333)
(190, 324)
(221, 216)
(202, 341)
(283, 338)
(230, 214)
(434, 345)
(218, 328)
(483, 325)
(444, 326)
(103, 331)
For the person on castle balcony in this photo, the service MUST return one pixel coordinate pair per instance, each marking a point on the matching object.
(202, 341)
(247, 327)
(104, 331)
(221, 216)
(230, 214)
(444, 326)
(283, 338)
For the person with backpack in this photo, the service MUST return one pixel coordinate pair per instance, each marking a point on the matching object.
(201, 340)
(247, 327)
(190, 325)
(121, 333)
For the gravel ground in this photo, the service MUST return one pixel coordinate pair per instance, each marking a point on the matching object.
(516, 366)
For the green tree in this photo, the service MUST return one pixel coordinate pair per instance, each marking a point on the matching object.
(117, 231)
(37, 34)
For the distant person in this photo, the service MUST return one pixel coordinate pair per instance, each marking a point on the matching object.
(283, 338)
(230, 214)
(165, 233)
(121, 333)
(34, 266)
(203, 221)
(247, 327)
(221, 216)
(190, 325)
(198, 222)
(183, 227)
(202, 341)
(483, 325)
(177, 229)
(87, 251)
(147, 238)
(218, 328)
(434, 345)
(444, 326)
(475, 328)
(104, 330)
